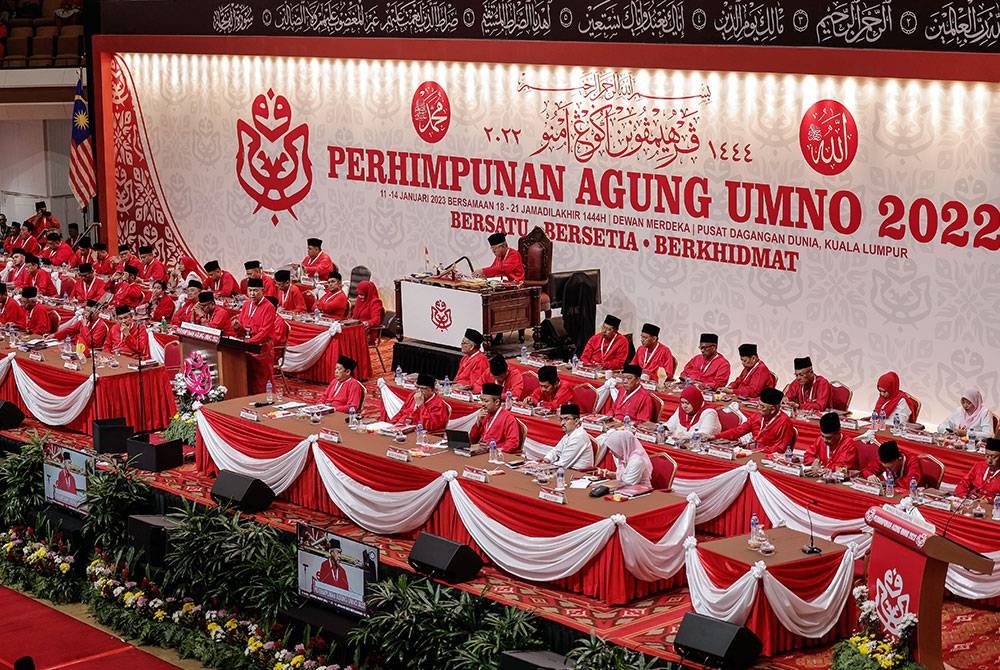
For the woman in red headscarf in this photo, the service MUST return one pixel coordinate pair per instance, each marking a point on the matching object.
(891, 399)
(692, 414)
(368, 308)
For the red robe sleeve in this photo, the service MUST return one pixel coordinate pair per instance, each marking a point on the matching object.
(220, 319)
(183, 312)
(472, 370)
(514, 382)
(735, 433)
(334, 304)
(592, 351)
(749, 383)
(260, 324)
(43, 282)
(293, 300)
(433, 414)
(639, 407)
(663, 358)
(164, 309)
(322, 266)
(818, 398)
(13, 313)
(776, 436)
(64, 255)
(504, 430)
(563, 396)
(38, 320)
(510, 266)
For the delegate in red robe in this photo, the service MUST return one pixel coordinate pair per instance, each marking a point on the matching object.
(292, 300)
(82, 292)
(332, 574)
(91, 335)
(638, 405)
(562, 396)
(127, 293)
(342, 396)
(28, 243)
(270, 288)
(61, 255)
(41, 280)
(510, 266)
(334, 304)
(843, 455)
(605, 355)
(134, 344)
(103, 267)
(184, 311)
(223, 287)
(472, 369)
(771, 437)
(816, 397)
(12, 312)
(164, 309)
(320, 267)
(979, 481)
(220, 319)
(85, 256)
(652, 361)
(433, 413)
(502, 427)
(281, 331)
(152, 271)
(513, 382)
(257, 323)
(750, 382)
(66, 482)
(39, 321)
(713, 372)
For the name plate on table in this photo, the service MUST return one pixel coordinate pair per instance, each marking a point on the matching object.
(594, 426)
(936, 503)
(788, 468)
(249, 415)
(534, 362)
(588, 374)
(730, 455)
(71, 365)
(866, 487)
(523, 410)
(850, 424)
(643, 436)
(328, 435)
(476, 475)
(552, 495)
(925, 438)
(461, 395)
(35, 356)
(408, 385)
(395, 454)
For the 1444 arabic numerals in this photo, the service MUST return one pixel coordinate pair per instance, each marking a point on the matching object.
(737, 152)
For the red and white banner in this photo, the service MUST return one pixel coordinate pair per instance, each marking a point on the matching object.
(851, 219)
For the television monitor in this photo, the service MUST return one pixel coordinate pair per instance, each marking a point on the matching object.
(67, 473)
(335, 569)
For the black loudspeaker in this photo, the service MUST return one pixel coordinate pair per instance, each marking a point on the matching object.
(533, 660)
(716, 643)
(11, 415)
(24, 663)
(451, 561)
(155, 457)
(248, 494)
(149, 533)
(110, 435)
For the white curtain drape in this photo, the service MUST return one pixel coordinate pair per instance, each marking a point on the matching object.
(155, 348)
(716, 493)
(650, 561)
(278, 472)
(384, 512)
(535, 450)
(299, 357)
(967, 584)
(51, 409)
(780, 507)
(463, 422)
(730, 604)
(5, 365)
(391, 402)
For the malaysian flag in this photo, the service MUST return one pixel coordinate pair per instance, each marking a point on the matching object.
(82, 169)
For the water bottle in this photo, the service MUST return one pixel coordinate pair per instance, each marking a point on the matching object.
(890, 485)
(163, 325)
(421, 436)
(524, 354)
(754, 526)
(446, 384)
(269, 392)
(996, 507)
(316, 314)
(399, 375)
(913, 488)
(789, 453)
(493, 451)
(508, 401)
(575, 362)
(627, 422)
(661, 434)
(881, 419)
(560, 479)
(68, 344)
(696, 440)
(352, 417)
(897, 425)
(874, 419)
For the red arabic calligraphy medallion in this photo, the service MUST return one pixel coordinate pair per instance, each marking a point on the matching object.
(441, 315)
(828, 137)
(431, 112)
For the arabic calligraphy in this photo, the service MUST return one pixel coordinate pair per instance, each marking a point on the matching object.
(754, 21)
(608, 19)
(607, 116)
(323, 17)
(854, 21)
(519, 18)
(232, 17)
(891, 602)
(965, 23)
(415, 17)
(828, 137)
(430, 111)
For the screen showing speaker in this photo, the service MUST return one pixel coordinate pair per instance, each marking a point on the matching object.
(335, 569)
(67, 473)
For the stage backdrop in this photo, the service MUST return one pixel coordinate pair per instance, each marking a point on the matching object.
(851, 219)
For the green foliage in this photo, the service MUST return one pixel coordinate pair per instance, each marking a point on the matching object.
(847, 657)
(266, 577)
(181, 427)
(23, 483)
(113, 495)
(596, 653)
(510, 628)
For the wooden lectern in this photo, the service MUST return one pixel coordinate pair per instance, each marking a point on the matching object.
(226, 356)
(906, 572)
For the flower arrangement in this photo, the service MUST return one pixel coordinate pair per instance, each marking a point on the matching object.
(871, 649)
(189, 398)
(32, 563)
(217, 637)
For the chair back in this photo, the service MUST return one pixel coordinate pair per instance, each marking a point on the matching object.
(530, 378)
(914, 406)
(600, 451)
(657, 407)
(310, 300)
(773, 381)
(359, 273)
(931, 471)
(868, 457)
(795, 437)
(522, 434)
(728, 418)
(664, 469)
(585, 396)
(172, 357)
(54, 321)
(364, 396)
(536, 254)
(840, 397)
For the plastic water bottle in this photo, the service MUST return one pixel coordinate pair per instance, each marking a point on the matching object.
(661, 434)
(352, 417)
(508, 401)
(316, 314)
(897, 425)
(524, 354)
(627, 422)
(575, 362)
(881, 419)
(269, 392)
(695, 440)
(68, 344)
(913, 488)
(560, 479)
(754, 526)
(493, 451)
(890, 485)
(789, 453)
(874, 419)
(446, 384)
(163, 325)
(421, 437)
(996, 508)
(399, 375)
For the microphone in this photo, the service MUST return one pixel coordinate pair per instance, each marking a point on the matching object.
(951, 517)
(811, 549)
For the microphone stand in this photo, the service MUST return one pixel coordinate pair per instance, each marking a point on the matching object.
(954, 512)
(811, 549)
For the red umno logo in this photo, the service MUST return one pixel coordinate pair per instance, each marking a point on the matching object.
(828, 137)
(430, 111)
(272, 163)
(441, 315)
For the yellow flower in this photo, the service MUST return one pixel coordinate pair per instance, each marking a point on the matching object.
(64, 568)
(159, 615)
(231, 624)
(298, 660)
(212, 627)
(187, 608)
(280, 666)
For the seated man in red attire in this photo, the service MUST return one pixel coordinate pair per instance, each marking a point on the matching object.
(161, 304)
(35, 276)
(425, 407)
(709, 368)
(151, 269)
(607, 349)
(506, 262)
(808, 391)
(128, 292)
(902, 466)
(290, 296)
(85, 251)
(334, 303)
(653, 354)
(220, 282)
(256, 321)
(633, 400)
(27, 240)
(255, 271)
(495, 424)
(281, 330)
(124, 258)
(344, 392)
(833, 449)
(89, 329)
(331, 572)
(317, 262)
(552, 393)
(754, 377)
(770, 431)
(510, 379)
(11, 311)
(127, 337)
(185, 311)
(103, 265)
(58, 251)
(89, 286)
(473, 365)
(14, 271)
(39, 321)
(207, 313)
(983, 479)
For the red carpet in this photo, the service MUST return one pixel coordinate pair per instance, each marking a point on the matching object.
(56, 640)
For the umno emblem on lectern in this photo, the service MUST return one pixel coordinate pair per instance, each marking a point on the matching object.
(891, 603)
(441, 315)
